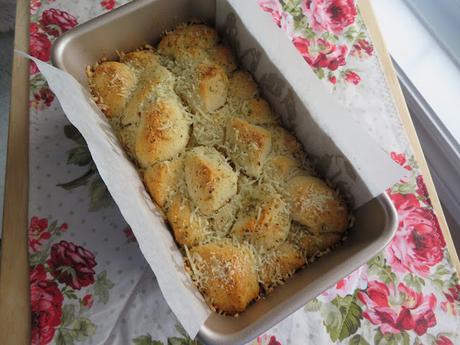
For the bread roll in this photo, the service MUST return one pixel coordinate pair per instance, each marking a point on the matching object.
(211, 85)
(280, 167)
(249, 145)
(162, 180)
(211, 181)
(189, 227)
(226, 274)
(285, 143)
(163, 132)
(280, 264)
(112, 84)
(242, 87)
(267, 225)
(316, 205)
(259, 112)
(222, 56)
(198, 35)
(315, 244)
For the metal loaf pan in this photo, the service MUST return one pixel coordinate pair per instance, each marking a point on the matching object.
(143, 21)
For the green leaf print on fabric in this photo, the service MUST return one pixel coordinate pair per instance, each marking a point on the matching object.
(102, 287)
(342, 317)
(82, 328)
(378, 266)
(313, 306)
(391, 339)
(146, 340)
(183, 339)
(414, 282)
(68, 315)
(357, 339)
(79, 156)
(99, 195)
(64, 338)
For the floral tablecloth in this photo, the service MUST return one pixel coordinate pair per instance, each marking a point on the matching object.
(90, 284)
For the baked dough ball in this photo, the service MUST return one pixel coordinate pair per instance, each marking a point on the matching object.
(249, 145)
(141, 60)
(280, 167)
(258, 111)
(112, 82)
(210, 180)
(265, 224)
(316, 205)
(196, 35)
(280, 264)
(212, 86)
(188, 226)
(162, 180)
(226, 274)
(155, 82)
(222, 56)
(314, 244)
(285, 143)
(242, 86)
(205, 87)
(223, 219)
(163, 132)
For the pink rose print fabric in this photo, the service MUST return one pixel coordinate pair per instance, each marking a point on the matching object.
(46, 25)
(326, 32)
(330, 15)
(46, 300)
(59, 272)
(89, 283)
(396, 310)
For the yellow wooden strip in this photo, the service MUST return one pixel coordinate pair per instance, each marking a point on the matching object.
(14, 274)
(379, 44)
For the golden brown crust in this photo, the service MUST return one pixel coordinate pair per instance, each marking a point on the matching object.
(285, 143)
(281, 167)
(249, 145)
(112, 83)
(163, 133)
(141, 60)
(316, 205)
(212, 86)
(222, 56)
(259, 112)
(312, 245)
(226, 275)
(266, 226)
(211, 181)
(188, 226)
(162, 180)
(280, 264)
(198, 35)
(242, 86)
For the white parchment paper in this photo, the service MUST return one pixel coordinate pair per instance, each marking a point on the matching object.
(344, 151)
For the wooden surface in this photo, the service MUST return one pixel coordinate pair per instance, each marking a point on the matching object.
(14, 283)
(369, 18)
(14, 274)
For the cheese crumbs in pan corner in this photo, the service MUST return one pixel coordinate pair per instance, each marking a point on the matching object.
(243, 203)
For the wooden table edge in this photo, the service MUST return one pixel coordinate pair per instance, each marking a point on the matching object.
(370, 20)
(15, 323)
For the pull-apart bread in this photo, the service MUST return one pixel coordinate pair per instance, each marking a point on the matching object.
(242, 201)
